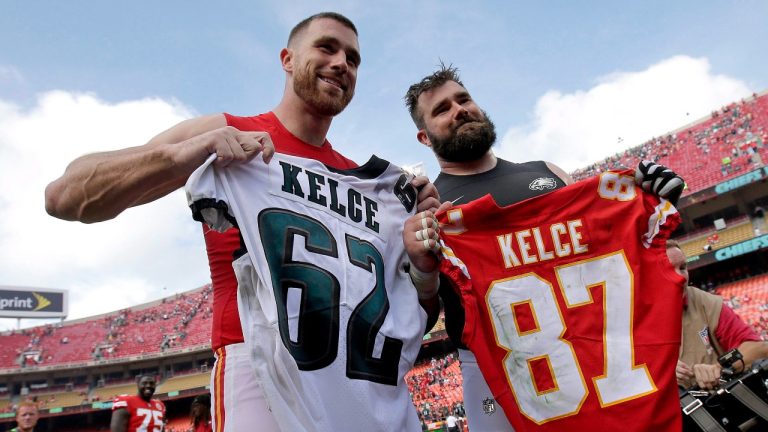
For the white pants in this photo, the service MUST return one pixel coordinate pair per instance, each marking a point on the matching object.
(237, 400)
(480, 418)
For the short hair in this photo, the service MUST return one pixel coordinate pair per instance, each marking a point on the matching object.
(430, 82)
(27, 404)
(303, 24)
(673, 244)
(203, 399)
(142, 376)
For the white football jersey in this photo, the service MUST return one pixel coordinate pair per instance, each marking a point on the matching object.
(330, 316)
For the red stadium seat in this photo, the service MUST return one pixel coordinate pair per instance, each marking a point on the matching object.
(174, 323)
(697, 151)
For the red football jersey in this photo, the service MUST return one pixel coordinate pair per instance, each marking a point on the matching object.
(143, 416)
(204, 426)
(572, 307)
(221, 246)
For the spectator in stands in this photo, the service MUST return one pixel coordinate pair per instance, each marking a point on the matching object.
(26, 417)
(710, 329)
(200, 415)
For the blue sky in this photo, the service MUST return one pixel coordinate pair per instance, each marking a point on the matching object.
(563, 81)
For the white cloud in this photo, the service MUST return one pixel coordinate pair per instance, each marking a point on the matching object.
(576, 129)
(108, 265)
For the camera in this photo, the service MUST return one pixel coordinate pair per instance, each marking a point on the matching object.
(728, 361)
(739, 404)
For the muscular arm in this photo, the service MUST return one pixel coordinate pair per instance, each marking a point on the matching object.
(99, 186)
(119, 421)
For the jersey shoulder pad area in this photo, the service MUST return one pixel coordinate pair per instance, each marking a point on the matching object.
(120, 401)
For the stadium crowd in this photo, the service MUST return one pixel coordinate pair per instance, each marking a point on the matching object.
(128, 332)
(735, 136)
(435, 388)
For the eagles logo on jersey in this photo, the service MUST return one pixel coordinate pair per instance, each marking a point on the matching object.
(561, 296)
(542, 183)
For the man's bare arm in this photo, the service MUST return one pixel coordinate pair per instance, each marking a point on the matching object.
(99, 186)
(753, 350)
(119, 422)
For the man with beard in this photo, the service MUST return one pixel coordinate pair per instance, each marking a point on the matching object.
(320, 64)
(461, 135)
(139, 412)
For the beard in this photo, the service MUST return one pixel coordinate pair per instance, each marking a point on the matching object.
(306, 87)
(147, 394)
(468, 145)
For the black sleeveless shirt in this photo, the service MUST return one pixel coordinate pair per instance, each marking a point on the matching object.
(508, 183)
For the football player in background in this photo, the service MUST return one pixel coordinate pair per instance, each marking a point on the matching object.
(139, 412)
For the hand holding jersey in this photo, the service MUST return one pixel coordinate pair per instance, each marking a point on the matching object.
(428, 198)
(320, 63)
(420, 237)
(460, 134)
(533, 277)
(99, 186)
(659, 180)
(318, 305)
(421, 240)
(229, 144)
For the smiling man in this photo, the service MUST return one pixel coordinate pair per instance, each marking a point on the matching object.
(139, 412)
(320, 63)
(461, 135)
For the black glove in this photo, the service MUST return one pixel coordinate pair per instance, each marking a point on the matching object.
(659, 180)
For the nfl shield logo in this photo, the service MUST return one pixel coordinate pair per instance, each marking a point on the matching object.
(489, 406)
(704, 335)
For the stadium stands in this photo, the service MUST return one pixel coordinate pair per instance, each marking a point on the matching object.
(10, 348)
(62, 399)
(730, 142)
(176, 322)
(177, 424)
(5, 405)
(749, 299)
(184, 382)
(737, 231)
(108, 393)
(435, 388)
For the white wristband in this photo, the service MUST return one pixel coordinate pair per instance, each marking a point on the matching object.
(426, 284)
